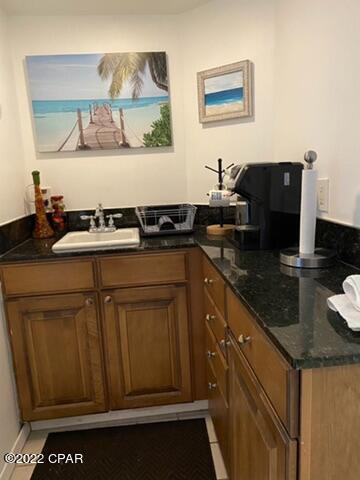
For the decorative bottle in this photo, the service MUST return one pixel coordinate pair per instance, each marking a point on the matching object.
(42, 228)
(58, 215)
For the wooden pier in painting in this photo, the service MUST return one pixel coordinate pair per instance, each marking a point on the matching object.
(102, 133)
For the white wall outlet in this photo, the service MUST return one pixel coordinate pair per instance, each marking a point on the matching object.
(323, 194)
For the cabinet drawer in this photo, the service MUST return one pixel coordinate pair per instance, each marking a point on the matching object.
(276, 376)
(217, 361)
(142, 269)
(214, 319)
(214, 285)
(55, 277)
(219, 413)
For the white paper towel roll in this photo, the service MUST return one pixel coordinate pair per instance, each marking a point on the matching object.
(308, 211)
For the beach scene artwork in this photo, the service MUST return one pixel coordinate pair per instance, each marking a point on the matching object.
(225, 92)
(100, 101)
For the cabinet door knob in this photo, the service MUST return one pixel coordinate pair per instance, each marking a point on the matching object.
(210, 354)
(243, 339)
(212, 386)
(224, 343)
(89, 302)
(107, 299)
(209, 317)
(208, 281)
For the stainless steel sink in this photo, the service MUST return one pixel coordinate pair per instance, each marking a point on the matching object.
(89, 241)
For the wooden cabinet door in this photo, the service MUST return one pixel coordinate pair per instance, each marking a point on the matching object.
(147, 346)
(260, 446)
(57, 355)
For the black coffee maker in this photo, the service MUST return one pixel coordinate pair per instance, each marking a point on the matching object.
(268, 213)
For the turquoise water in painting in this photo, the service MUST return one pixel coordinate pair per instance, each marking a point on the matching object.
(55, 119)
(43, 107)
(225, 96)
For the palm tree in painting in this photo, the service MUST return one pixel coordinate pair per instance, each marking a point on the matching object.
(130, 67)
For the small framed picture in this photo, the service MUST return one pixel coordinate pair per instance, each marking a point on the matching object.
(225, 92)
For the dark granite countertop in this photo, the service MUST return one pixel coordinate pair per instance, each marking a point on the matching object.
(35, 250)
(291, 310)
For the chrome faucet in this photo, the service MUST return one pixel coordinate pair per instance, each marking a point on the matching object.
(111, 224)
(92, 227)
(99, 214)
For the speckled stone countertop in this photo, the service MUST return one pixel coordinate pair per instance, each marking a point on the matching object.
(290, 309)
(35, 250)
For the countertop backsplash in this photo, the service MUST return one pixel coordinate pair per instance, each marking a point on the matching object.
(15, 232)
(344, 239)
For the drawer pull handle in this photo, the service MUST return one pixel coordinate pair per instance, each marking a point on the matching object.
(211, 354)
(212, 386)
(243, 339)
(108, 299)
(210, 317)
(208, 281)
(89, 302)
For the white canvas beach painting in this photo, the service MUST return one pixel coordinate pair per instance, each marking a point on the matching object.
(225, 92)
(100, 101)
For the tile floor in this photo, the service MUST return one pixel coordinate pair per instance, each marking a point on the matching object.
(36, 441)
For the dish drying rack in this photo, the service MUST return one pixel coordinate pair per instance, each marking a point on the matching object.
(166, 219)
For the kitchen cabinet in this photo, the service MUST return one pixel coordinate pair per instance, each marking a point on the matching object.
(108, 332)
(56, 345)
(255, 414)
(141, 329)
(260, 446)
(147, 346)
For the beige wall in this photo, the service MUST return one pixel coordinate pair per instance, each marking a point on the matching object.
(317, 94)
(11, 205)
(11, 155)
(222, 32)
(306, 96)
(113, 177)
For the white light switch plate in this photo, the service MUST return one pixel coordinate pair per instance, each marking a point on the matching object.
(323, 194)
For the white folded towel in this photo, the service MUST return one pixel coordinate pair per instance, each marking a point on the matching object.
(351, 288)
(348, 304)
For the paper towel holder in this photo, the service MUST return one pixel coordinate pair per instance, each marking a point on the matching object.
(321, 257)
(310, 157)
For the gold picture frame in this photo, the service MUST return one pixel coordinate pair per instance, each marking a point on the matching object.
(225, 92)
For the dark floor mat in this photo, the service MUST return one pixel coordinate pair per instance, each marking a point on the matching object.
(154, 451)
